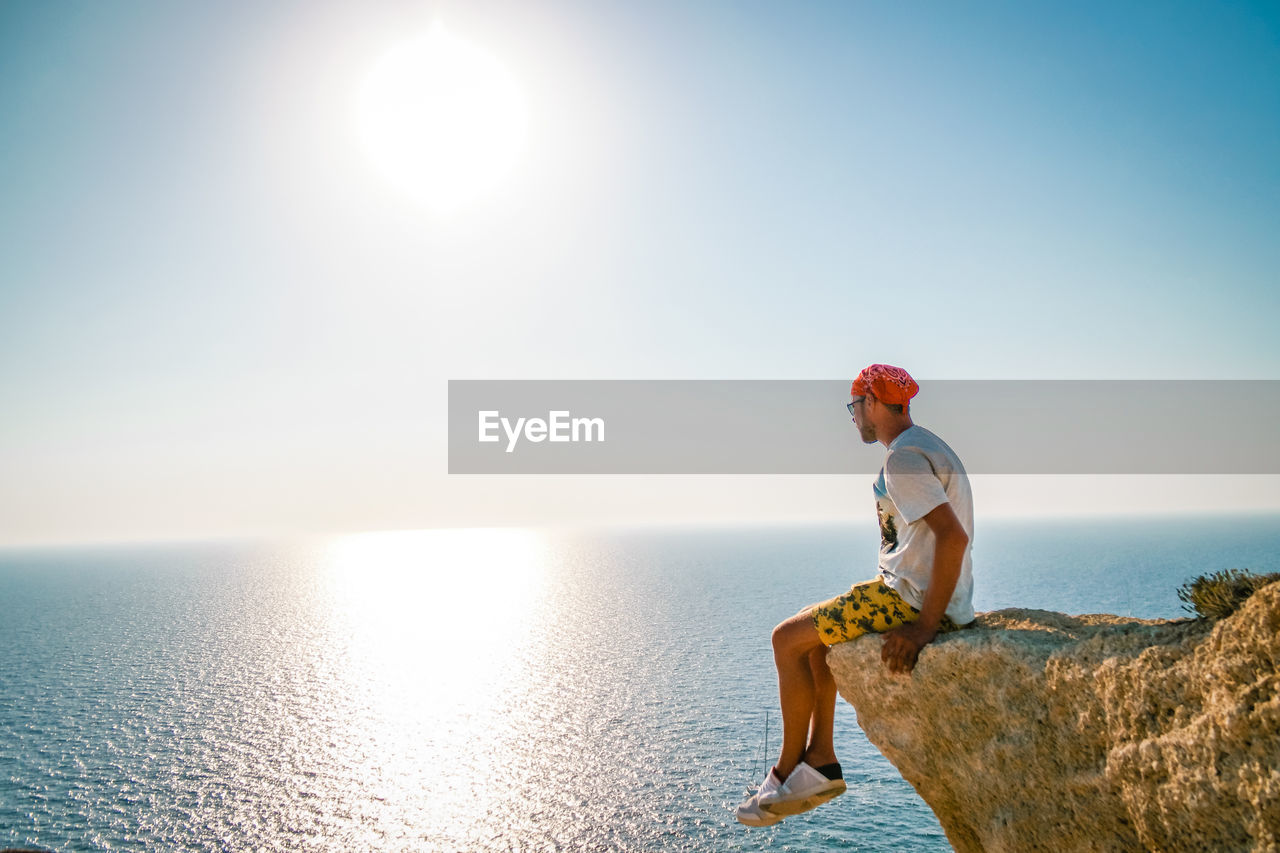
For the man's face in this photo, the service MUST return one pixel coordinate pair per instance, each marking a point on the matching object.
(858, 407)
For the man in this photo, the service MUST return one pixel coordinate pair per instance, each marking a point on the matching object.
(925, 586)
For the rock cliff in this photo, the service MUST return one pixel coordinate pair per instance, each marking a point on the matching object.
(1034, 730)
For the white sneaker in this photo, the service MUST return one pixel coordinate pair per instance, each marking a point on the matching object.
(804, 789)
(749, 811)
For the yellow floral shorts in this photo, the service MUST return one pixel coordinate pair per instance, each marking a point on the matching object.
(867, 608)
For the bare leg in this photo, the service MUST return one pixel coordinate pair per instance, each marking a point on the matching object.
(821, 748)
(793, 641)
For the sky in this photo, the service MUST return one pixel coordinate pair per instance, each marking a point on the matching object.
(217, 317)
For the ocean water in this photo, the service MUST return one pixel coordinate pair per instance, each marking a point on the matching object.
(480, 690)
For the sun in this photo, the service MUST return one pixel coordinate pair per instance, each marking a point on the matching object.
(441, 119)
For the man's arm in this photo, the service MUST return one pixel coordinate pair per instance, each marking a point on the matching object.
(902, 645)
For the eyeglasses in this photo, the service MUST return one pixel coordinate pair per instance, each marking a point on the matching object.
(856, 401)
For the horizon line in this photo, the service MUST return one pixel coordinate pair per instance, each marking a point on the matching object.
(301, 536)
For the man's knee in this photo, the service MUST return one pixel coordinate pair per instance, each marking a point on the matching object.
(797, 635)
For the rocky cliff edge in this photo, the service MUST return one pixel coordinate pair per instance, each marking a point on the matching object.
(1035, 730)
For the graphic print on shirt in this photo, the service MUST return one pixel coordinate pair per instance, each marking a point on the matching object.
(886, 514)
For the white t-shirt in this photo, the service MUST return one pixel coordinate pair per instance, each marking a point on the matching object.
(921, 472)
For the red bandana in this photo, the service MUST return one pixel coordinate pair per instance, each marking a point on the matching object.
(886, 383)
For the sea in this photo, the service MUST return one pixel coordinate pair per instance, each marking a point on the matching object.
(482, 690)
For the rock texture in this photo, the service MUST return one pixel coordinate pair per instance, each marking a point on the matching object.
(1040, 731)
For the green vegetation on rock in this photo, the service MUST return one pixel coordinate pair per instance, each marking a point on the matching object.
(1217, 595)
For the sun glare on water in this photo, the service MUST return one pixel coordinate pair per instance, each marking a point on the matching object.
(441, 119)
(408, 601)
(427, 637)
(432, 584)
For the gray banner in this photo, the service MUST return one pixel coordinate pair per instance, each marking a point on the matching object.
(802, 426)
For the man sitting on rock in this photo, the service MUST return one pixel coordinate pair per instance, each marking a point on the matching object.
(925, 586)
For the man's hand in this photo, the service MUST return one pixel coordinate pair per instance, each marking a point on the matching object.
(902, 646)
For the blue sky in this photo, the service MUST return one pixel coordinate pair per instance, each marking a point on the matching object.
(216, 318)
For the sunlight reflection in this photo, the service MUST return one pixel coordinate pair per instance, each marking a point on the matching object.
(429, 599)
(432, 630)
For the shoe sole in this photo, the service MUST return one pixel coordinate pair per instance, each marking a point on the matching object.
(786, 808)
(761, 818)
(761, 822)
